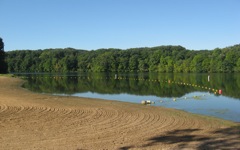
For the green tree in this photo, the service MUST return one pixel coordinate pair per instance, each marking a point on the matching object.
(3, 64)
(162, 65)
(178, 66)
(123, 61)
(155, 59)
(133, 63)
(230, 61)
(206, 65)
(170, 65)
(216, 60)
(196, 64)
(238, 66)
(186, 66)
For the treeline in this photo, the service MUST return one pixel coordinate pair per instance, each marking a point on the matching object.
(168, 59)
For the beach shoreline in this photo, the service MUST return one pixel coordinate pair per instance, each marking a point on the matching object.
(31, 120)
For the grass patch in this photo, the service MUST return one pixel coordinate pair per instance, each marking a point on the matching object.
(7, 75)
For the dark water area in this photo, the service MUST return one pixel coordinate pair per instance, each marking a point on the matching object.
(208, 94)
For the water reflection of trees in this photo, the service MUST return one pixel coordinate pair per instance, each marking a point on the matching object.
(162, 85)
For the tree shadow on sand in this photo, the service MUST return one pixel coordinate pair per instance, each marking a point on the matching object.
(227, 138)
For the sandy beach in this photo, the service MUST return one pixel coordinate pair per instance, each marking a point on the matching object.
(31, 120)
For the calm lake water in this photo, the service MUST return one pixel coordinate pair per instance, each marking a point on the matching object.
(208, 94)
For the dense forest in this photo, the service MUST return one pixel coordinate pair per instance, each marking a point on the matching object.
(155, 59)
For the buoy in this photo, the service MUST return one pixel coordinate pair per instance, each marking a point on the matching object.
(220, 92)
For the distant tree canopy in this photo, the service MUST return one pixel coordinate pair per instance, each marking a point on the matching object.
(167, 59)
(3, 64)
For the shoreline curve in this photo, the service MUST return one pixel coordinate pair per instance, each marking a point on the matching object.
(31, 120)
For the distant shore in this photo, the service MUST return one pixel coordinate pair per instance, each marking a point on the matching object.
(30, 120)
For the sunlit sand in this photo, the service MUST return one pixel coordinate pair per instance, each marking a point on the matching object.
(37, 121)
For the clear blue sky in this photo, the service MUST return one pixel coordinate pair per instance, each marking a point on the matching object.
(94, 24)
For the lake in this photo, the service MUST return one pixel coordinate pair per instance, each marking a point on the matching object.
(207, 94)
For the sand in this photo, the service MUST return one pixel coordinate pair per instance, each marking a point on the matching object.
(31, 120)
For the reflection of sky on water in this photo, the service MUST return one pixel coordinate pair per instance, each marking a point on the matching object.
(196, 102)
(189, 92)
(120, 97)
(209, 104)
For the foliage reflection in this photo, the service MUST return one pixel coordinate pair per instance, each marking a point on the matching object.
(162, 85)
